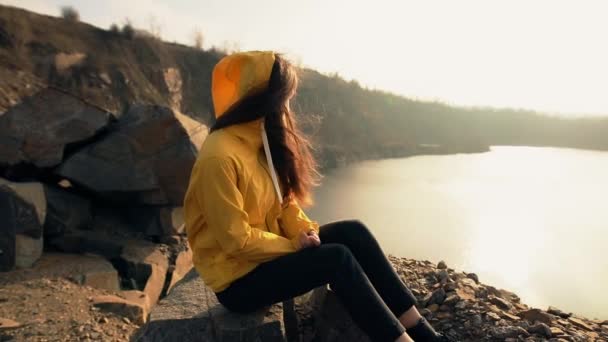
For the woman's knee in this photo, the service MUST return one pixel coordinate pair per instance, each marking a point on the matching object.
(337, 254)
(357, 232)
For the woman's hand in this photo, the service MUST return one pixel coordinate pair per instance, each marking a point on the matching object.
(310, 239)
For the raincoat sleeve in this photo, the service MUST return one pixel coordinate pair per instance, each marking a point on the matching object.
(293, 220)
(222, 206)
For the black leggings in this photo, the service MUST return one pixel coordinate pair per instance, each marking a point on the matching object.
(351, 261)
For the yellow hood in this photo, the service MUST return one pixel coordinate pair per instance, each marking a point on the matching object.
(238, 75)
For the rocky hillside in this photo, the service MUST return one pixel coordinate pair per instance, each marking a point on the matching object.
(114, 70)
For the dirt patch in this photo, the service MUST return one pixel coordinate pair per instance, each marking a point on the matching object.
(55, 309)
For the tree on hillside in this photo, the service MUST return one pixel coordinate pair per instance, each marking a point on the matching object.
(70, 13)
(128, 30)
(197, 38)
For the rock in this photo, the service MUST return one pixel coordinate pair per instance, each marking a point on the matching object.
(433, 307)
(89, 270)
(503, 294)
(263, 325)
(65, 212)
(443, 276)
(172, 221)
(476, 320)
(442, 265)
(183, 265)
(501, 303)
(157, 221)
(122, 307)
(437, 297)
(443, 315)
(555, 331)
(450, 286)
(451, 299)
(540, 329)
(23, 211)
(196, 131)
(6, 324)
(508, 332)
(40, 129)
(93, 242)
(146, 158)
(460, 305)
(473, 276)
(139, 298)
(534, 315)
(171, 240)
(27, 250)
(173, 81)
(465, 291)
(147, 264)
(509, 316)
(557, 312)
(580, 323)
(493, 316)
(98, 273)
(191, 313)
(332, 322)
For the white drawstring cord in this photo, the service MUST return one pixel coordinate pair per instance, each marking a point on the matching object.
(273, 173)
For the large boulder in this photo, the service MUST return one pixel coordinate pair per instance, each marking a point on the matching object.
(147, 264)
(191, 312)
(23, 210)
(146, 158)
(66, 212)
(156, 221)
(82, 241)
(38, 130)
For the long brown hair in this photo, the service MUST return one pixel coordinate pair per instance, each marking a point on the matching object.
(290, 148)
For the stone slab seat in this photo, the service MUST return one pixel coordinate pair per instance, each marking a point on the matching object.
(191, 312)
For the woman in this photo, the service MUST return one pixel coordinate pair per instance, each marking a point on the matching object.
(252, 243)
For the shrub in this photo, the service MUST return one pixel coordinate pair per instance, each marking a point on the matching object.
(70, 13)
(128, 31)
(114, 29)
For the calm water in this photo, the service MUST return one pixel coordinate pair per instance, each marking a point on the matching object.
(530, 220)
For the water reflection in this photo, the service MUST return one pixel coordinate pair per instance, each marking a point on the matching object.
(531, 220)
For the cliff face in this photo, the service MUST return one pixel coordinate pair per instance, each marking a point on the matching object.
(108, 69)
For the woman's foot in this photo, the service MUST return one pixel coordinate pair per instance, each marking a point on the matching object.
(424, 332)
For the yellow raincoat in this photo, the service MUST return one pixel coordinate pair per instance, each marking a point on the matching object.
(234, 220)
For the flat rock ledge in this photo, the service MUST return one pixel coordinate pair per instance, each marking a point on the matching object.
(191, 312)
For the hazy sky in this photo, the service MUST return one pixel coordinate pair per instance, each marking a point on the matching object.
(549, 55)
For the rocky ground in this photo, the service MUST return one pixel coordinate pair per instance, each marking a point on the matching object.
(38, 305)
(458, 304)
(57, 310)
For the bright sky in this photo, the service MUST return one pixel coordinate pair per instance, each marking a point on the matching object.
(549, 55)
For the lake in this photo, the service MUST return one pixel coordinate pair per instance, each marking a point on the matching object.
(527, 219)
